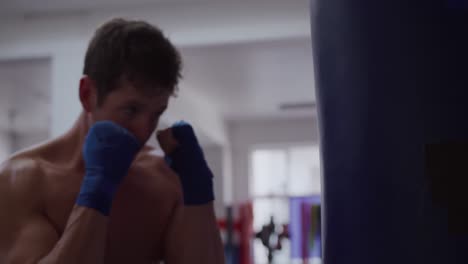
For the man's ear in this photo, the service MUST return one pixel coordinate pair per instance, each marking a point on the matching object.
(88, 94)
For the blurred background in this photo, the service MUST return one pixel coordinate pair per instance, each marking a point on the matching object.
(248, 89)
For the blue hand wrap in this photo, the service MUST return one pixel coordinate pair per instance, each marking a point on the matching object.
(189, 163)
(108, 153)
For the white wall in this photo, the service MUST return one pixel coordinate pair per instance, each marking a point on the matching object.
(67, 66)
(25, 95)
(244, 135)
(22, 141)
(214, 158)
(10, 143)
(24, 103)
(5, 146)
(251, 80)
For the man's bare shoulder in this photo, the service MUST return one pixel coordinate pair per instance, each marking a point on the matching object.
(20, 174)
(21, 189)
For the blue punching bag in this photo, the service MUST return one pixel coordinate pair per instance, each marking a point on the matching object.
(392, 96)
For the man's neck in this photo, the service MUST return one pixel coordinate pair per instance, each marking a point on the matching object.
(67, 149)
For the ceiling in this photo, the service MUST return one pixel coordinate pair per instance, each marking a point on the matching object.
(10, 8)
(18, 7)
(188, 23)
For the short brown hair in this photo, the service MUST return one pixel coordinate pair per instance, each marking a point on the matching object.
(134, 51)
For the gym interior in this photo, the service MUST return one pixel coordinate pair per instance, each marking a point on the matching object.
(317, 118)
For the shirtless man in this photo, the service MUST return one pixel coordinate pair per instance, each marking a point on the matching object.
(98, 194)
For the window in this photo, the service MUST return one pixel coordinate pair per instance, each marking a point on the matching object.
(276, 175)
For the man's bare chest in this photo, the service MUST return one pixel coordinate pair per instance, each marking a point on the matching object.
(135, 229)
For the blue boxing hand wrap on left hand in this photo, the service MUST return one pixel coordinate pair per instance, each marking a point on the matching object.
(108, 152)
(189, 163)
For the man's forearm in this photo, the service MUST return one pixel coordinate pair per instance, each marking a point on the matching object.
(201, 223)
(83, 240)
(198, 232)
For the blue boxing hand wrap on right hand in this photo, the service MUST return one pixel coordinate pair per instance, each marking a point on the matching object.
(108, 152)
(189, 163)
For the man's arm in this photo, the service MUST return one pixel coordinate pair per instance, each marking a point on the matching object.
(193, 236)
(32, 238)
(84, 238)
(202, 225)
(83, 241)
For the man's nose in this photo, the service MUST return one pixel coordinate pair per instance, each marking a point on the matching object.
(143, 131)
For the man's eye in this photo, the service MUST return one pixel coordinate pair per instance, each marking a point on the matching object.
(131, 110)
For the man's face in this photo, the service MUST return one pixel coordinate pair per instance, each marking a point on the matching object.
(133, 110)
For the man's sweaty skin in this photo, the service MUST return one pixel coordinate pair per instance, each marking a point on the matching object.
(40, 223)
